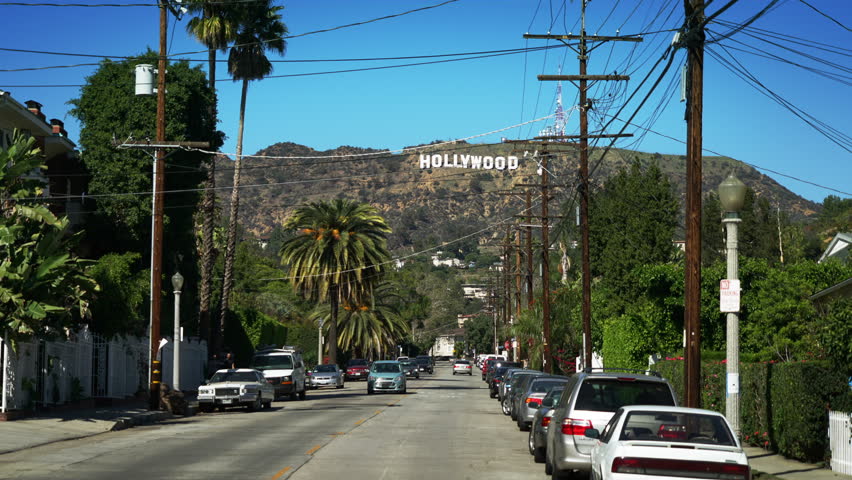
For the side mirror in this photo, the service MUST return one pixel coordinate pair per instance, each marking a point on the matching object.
(592, 433)
(547, 402)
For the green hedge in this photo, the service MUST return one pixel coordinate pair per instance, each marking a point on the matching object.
(246, 329)
(783, 406)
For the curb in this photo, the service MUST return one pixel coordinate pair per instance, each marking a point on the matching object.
(142, 419)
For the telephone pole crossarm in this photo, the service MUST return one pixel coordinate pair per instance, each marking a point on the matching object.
(571, 78)
(588, 38)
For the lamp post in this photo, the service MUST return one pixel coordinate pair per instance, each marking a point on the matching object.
(319, 342)
(732, 197)
(177, 283)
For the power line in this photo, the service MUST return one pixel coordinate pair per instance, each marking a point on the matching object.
(826, 15)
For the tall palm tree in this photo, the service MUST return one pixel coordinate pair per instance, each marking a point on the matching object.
(259, 29)
(215, 27)
(338, 255)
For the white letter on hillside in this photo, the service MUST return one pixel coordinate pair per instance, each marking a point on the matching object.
(513, 163)
(425, 161)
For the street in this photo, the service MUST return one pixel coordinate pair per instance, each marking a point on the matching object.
(445, 427)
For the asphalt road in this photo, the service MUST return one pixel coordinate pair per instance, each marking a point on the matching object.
(445, 427)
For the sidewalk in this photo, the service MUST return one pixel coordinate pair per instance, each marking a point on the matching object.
(71, 424)
(767, 462)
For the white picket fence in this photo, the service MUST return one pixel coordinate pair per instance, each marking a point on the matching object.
(43, 373)
(840, 441)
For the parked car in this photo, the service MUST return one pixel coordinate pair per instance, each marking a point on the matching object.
(357, 369)
(519, 390)
(386, 376)
(507, 382)
(284, 369)
(497, 377)
(517, 378)
(589, 401)
(410, 368)
(236, 387)
(425, 364)
(672, 442)
(326, 376)
(529, 400)
(541, 422)
(462, 367)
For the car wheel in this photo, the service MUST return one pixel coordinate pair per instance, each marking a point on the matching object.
(538, 455)
(255, 405)
(340, 386)
(303, 394)
(267, 405)
(522, 425)
(369, 391)
(470, 374)
(531, 442)
(505, 406)
(205, 408)
(492, 394)
(548, 467)
(403, 390)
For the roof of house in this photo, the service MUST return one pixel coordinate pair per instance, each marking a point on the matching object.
(839, 248)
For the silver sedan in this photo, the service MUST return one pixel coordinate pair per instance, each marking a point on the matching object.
(325, 376)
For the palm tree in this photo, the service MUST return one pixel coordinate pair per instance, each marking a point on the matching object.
(368, 327)
(259, 28)
(338, 255)
(215, 28)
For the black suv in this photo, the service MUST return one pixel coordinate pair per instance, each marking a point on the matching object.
(425, 364)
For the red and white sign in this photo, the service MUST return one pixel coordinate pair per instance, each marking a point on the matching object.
(729, 296)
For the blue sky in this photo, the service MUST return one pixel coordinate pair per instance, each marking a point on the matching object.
(397, 107)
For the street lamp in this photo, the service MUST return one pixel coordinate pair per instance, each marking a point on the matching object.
(177, 283)
(732, 194)
(319, 342)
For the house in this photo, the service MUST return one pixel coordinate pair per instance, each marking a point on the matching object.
(472, 291)
(65, 179)
(838, 249)
(445, 344)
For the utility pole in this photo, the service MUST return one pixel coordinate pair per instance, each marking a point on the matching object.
(692, 280)
(530, 295)
(585, 105)
(519, 299)
(545, 264)
(157, 244)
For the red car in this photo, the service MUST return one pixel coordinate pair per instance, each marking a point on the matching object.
(357, 369)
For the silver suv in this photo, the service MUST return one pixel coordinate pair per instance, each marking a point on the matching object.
(589, 400)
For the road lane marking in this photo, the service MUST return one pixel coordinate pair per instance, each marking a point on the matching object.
(281, 472)
(359, 422)
(313, 450)
(378, 412)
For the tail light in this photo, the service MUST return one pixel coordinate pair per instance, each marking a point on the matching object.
(673, 432)
(680, 468)
(573, 426)
(530, 400)
(545, 421)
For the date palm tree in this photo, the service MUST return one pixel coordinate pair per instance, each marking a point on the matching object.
(368, 327)
(259, 29)
(215, 27)
(337, 256)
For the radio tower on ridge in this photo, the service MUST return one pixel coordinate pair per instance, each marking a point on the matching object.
(558, 127)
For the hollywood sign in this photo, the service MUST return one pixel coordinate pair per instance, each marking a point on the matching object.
(468, 161)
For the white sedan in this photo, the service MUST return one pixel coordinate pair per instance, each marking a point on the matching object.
(463, 367)
(667, 443)
(236, 387)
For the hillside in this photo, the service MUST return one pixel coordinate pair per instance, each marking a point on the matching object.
(427, 206)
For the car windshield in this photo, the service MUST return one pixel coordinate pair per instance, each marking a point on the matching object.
(357, 363)
(406, 363)
(325, 369)
(608, 395)
(677, 427)
(386, 368)
(233, 377)
(423, 361)
(462, 362)
(263, 362)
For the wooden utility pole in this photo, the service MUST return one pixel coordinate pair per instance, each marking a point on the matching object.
(692, 280)
(545, 263)
(530, 294)
(157, 243)
(519, 294)
(583, 78)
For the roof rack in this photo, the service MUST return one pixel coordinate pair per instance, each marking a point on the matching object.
(622, 370)
(277, 348)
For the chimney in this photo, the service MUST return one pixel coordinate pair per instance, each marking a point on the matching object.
(35, 107)
(58, 127)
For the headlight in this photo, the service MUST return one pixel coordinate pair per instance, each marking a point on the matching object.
(248, 389)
